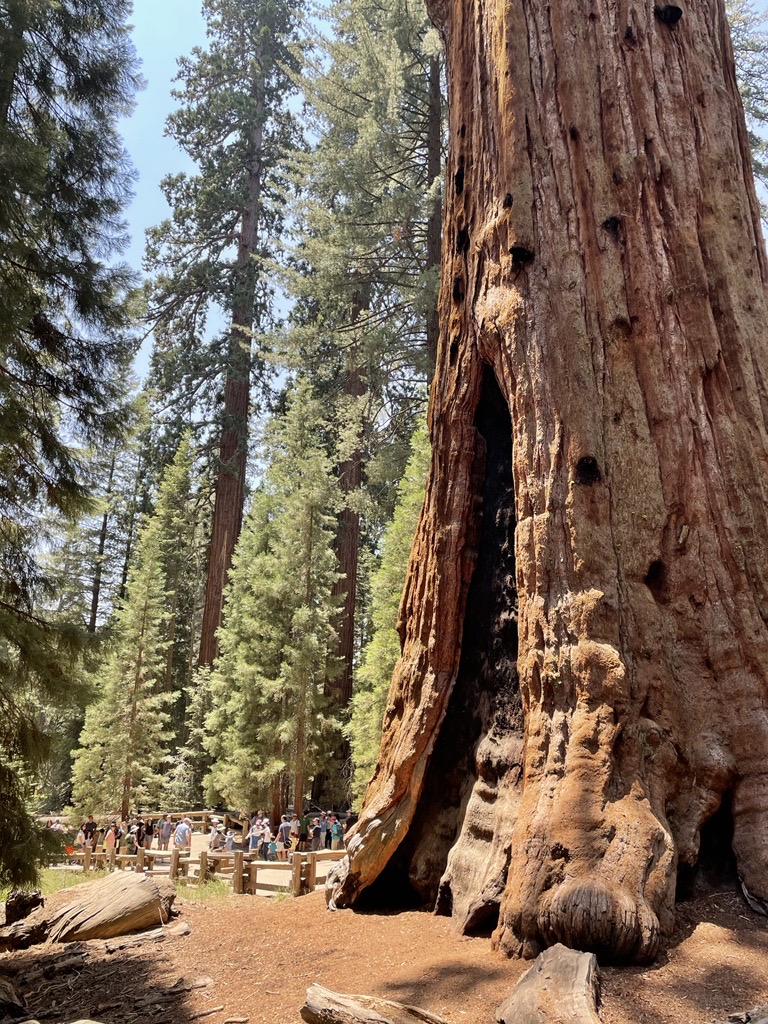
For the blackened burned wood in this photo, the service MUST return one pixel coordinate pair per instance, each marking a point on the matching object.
(20, 903)
(562, 986)
(326, 1007)
(11, 1001)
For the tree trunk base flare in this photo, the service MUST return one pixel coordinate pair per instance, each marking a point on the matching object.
(563, 986)
(326, 1007)
(584, 626)
(116, 905)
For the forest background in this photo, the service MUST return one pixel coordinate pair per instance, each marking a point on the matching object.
(214, 462)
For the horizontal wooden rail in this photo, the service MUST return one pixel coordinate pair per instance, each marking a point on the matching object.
(246, 871)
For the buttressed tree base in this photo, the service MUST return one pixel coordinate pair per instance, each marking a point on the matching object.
(583, 675)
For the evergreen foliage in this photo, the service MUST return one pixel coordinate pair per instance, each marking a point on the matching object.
(125, 745)
(750, 49)
(381, 653)
(67, 73)
(269, 731)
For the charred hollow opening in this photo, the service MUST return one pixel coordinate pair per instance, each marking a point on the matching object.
(486, 694)
(715, 870)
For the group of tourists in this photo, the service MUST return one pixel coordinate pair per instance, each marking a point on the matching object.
(271, 842)
(135, 833)
(275, 841)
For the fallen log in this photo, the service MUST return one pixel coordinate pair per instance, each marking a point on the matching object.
(20, 903)
(115, 905)
(757, 1016)
(562, 985)
(11, 1001)
(323, 1006)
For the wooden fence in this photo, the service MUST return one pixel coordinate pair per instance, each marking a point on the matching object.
(302, 873)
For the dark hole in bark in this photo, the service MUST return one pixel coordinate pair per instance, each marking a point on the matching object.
(574, 133)
(587, 471)
(655, 578)
(458, 178)
(613, 225)
(453, 351)
(486, 694)
(715, 870)
(559, 852)
(669, 14)
(462, 241)
(629, 34)
(458, 289)
(463, 131)
(508, 200)
(520, 255)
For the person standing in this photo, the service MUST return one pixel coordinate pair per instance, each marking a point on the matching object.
(295, 831)
(182, 837)
(166, 830)
(283, 838)
(266, 839)
(316, 835)
(89, 829)
(337, 833)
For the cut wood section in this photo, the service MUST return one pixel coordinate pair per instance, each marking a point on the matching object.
(326, 1007)
(116, 905)
(562, 987)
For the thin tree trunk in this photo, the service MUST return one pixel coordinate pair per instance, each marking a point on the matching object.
(434, 225)
(17, 15)
(601, 398)
(125, 804)
(98, 572)
(300, 762)
(230, 480)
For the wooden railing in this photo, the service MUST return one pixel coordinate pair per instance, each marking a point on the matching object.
(302, 873)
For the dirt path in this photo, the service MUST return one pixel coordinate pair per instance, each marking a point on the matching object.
(261, 955)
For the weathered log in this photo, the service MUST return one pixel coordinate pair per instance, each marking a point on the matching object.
(20, 904)
(757, 1016)
(11, 1002)
(323, 1006)
(563, 985)
(116, 905)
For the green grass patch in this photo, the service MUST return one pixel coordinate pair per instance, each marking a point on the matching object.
(208, 892)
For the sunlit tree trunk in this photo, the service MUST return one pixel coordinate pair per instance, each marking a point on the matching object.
(585, 649)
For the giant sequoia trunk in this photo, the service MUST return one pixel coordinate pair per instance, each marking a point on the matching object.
(583, 676)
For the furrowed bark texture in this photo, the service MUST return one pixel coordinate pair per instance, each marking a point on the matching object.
(583, 675)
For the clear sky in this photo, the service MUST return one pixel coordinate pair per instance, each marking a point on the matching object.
(163, 31)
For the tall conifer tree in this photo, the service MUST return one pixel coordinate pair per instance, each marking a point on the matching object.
(270, 731)
(67, 73)
(207, 259)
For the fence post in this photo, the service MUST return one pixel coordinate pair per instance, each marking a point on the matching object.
(202, 871)
(87, 860)
(312, 873)
(140, 859)
(296, 874)
(237, 880)
(253, 867)
(174, 862)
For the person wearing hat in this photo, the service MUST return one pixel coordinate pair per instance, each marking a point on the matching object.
(229, 840)
(214, 836)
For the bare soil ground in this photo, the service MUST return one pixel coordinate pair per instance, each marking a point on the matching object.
(261, 955)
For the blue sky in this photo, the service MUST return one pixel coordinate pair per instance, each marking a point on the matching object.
(163, 31)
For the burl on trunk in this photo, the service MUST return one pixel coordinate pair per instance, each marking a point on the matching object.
(583, 674)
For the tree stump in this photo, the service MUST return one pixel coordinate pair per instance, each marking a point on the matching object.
(563, 986)
(115, 905)
(326, 1007)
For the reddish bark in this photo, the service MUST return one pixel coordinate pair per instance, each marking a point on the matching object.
(230, 480)
(599, 422)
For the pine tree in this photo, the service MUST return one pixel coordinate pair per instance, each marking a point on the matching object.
(373, 677)
(67, 72)
(270, 731)
(750, 50)
(208, 258)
